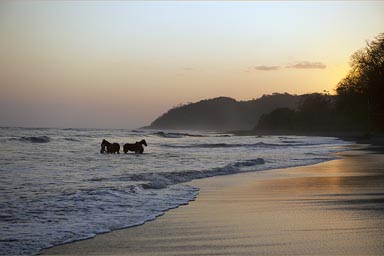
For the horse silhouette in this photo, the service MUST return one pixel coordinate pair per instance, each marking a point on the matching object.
(110, 148)
(135, 147)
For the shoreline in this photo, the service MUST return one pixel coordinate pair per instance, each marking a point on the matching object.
(360, 137)
(369, 141)
(232, 203)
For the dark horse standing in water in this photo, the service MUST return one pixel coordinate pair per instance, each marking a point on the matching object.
(136, 147)
(111, 148)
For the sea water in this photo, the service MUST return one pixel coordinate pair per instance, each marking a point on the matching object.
(56, 187)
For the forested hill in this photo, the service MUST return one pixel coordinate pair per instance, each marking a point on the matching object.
(223, 113)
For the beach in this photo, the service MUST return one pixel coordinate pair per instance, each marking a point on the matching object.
(331, 208)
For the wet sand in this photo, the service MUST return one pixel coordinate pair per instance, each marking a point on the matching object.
(330, 208)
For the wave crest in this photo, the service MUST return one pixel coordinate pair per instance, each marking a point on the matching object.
(238, 145)
(176, 134)
(162, 180)
(33, 139)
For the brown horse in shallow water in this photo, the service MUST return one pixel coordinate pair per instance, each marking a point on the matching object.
(110, 148)
(136, 147)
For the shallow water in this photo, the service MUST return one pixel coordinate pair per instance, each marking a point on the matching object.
(55, 186)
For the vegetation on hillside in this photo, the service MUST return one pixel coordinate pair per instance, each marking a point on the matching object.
(314, 112)
(222, 113)
(358, 105)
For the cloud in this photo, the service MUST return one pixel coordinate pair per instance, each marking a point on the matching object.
(296, 65)
(267, 68)
(307, 65)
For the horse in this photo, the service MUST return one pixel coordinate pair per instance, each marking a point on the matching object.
(112, 148)
(136, 147)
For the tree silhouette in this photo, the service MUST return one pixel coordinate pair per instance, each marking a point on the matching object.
(361, 92)
(280, 119)
(315, 113)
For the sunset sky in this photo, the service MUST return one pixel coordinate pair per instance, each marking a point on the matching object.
(121, 64)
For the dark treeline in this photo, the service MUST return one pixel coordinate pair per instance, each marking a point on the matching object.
(358, 105)
(223, 113)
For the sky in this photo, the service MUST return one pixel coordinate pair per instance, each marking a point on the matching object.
(105, 64)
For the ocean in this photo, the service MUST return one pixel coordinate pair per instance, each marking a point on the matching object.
(56, 187)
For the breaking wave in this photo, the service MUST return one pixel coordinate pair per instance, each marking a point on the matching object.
(176, 134)
(72, 139)
(83, 214)
(163, 180)
(238, 145)
(33, 139)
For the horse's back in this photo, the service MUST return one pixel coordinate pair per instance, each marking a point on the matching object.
(128, 147)
(136, 147)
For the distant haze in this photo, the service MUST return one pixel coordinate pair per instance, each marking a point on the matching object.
(121, 64)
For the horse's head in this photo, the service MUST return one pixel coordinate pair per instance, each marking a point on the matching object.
(143, 142)
(103, 144)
